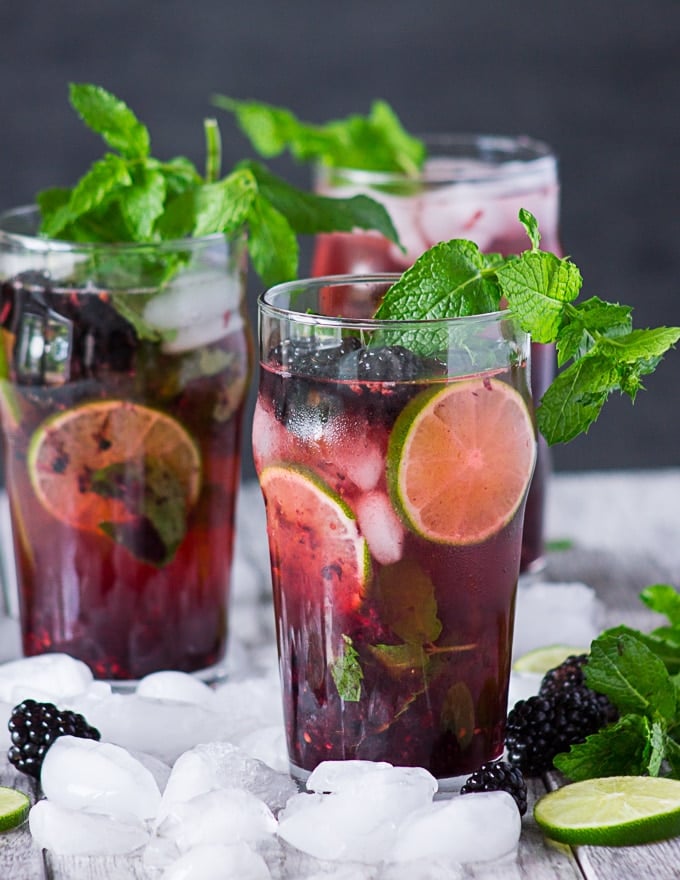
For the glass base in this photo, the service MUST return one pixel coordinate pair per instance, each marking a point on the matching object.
(211, 675)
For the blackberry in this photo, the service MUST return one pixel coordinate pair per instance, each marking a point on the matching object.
(499, 776)
(570, 676)
(539, 728)
(34, 727)
(389, 363)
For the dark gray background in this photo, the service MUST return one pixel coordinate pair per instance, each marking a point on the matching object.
(598, 79)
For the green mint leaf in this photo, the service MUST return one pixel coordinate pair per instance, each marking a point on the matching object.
(111, 118)
(530, 224)
(574, 399)
(625, 748)
(347, 673)
(538, 286)
(155, 498)
(272, 244)
(142, 203)
(377, 142)
(658, 749)
(404, 659)
(663, 642)
(407, 603)
(643, 349)
(631, 675)
(593, 317)
(105, 177)
(309, 213)
(673, 756)
(224, 206)
(664, 599)
(450, 280)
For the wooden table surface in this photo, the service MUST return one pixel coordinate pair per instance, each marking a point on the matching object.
(623, 532)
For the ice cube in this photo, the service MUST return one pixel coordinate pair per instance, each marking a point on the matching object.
(69, 832)
(268, 744)
(192, 299)
(223, 765)
(164, 728)
(552, 613)
(425, 869)
(176, 686)
(248, 705)
(358, 818)
(467, 828)
(99, 777)
(381, 527)
(218, 862)
(225, 815)
(47, 676)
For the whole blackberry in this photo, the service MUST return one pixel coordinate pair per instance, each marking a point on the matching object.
(499, 776)
(539, 728)
(570, 676)
(35, 726)
(389, 363)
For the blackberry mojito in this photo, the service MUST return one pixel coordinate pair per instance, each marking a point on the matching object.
(471, 187)
(124, 373)
(394, 459)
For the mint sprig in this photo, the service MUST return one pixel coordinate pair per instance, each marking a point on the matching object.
(597, 348)
(638, 672)
(130, 196)
(375, 142)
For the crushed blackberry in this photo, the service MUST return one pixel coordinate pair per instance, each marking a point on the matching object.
(499, 776)
(570, 676)
(35, 726)
(539, 728)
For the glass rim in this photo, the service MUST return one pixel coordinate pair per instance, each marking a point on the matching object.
(265, 307)
(37, 243)
(519, 156)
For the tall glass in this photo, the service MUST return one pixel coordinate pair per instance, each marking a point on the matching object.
(123, 375)
(472, 186)
(394, 459)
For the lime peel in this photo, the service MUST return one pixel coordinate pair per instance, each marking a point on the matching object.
(14, 808)
(611, 811)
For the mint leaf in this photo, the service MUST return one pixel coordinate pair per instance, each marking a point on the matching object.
(142, 203)
(407, 603)
(155, 499)
(664, 599)
(226, 204)
(631, 675)
(111, 118)
(530, 224)
(626, 748)
(347, 673)
(458, 713)
(594, 317)
(376, 142)
(404, 659)
(538, 285)
(272, 243)
(574, 399)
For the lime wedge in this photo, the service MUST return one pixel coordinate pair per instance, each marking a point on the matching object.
(540, 660)
(14, 807)
(611, 811)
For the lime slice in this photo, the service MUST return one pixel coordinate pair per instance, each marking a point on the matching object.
(541, 660)
(14, 807)
(612, 811)
(68, 446)
(460, 460)
(314, 538)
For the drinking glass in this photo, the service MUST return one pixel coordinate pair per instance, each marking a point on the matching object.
(123, 374)
(472, 186)
(394, 459)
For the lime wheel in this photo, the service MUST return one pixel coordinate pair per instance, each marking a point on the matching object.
(70, 446)
(460, 459)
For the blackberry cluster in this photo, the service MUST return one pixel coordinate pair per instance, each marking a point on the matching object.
(570, 676)
(34, 727)
(541, 727)
(499, 776)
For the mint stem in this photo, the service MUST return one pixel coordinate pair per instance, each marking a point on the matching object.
(213, 158)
